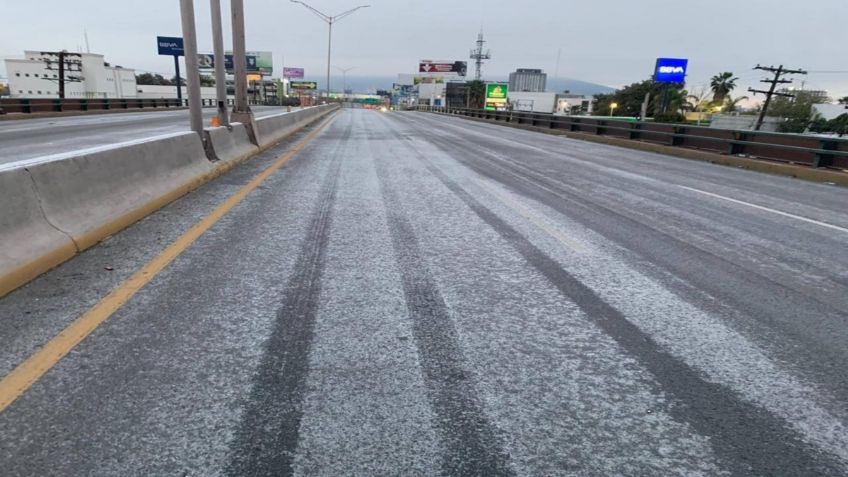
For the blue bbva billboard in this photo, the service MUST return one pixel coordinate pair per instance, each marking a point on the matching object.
(170, 45)
(671, 70)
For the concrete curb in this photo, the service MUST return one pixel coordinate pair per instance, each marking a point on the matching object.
(63, 205)
(769, 167)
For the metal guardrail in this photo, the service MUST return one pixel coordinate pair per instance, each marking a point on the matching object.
(812, 151)
(55, 105)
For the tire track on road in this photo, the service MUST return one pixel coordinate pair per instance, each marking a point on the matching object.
(751, 440)
(266, 442)
(471, 441)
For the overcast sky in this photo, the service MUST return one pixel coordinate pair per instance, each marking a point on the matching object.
(611, 42)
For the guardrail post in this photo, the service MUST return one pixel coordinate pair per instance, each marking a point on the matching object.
(822, 159)
(635, 131)
(736, 148)
(599, 127)
(678, 136)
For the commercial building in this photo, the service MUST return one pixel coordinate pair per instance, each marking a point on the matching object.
(528, 80)
(550, 103)
(37, 76)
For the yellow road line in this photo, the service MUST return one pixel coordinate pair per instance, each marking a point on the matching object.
(27, 373)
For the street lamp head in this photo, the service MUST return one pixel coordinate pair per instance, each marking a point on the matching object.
(614, 105)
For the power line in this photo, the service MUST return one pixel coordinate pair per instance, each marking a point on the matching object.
(778, 72)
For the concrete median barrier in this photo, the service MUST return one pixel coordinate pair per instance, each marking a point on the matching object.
(93, 195)
(30, 245)
(230, 145)
(56, 206)
(272, 129)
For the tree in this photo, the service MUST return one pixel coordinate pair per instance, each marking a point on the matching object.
(476, 94)
(843, 100)
(730, 103)
(151, 79)
(796, 111)
(630, 98)
(722, 84)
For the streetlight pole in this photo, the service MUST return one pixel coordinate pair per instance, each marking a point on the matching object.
(344, 79)
(612, 108)
(329, 20)
(192, 71)
(220, 73)
(241, 109)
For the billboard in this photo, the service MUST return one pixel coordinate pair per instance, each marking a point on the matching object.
(206, 61)
(671, 70)
(303, 85)
(293, 73)
(458, 68)
(264, 64)
(496, 94)
(170, 45)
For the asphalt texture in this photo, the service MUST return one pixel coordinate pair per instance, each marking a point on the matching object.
(30, 138)
(415, 294)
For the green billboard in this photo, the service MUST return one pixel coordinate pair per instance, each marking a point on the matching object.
(496, 94)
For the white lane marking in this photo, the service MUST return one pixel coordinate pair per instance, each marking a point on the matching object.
(760, 207)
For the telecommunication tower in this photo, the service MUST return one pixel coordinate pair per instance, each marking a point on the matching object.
(479, 54)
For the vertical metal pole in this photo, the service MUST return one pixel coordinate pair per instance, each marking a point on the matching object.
(179, 86)
(61, 75)
(239, 57)
(329, 47)
(220, 73)
(192, 72)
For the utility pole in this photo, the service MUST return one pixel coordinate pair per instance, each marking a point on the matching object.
(478, 55)
(64, 67)
(220, 73)
(778, 72)
(241, 107)
(192, 71)
(330, 20)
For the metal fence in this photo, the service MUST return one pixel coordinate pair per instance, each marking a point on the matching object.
(54, 105)
(812, 151)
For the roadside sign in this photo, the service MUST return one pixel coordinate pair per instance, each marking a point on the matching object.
(496, 94)
(671, 70)
(170, 45)
(206, 61)
(293, 73)
(303, 85)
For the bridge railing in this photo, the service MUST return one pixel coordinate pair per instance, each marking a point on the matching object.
(55, 105)
(813, 151)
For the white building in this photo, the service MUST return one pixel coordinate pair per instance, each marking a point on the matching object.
(37, 76)
(551, 103)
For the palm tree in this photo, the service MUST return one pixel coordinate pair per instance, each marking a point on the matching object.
(730, 103)
(722, 84)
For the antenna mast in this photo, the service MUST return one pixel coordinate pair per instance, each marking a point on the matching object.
(478, 55)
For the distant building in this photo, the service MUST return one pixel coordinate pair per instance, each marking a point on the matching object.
(37, 76)
(527, 80)
(551, 103)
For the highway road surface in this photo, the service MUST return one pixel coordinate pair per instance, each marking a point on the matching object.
(413, 294)
(28, 138)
